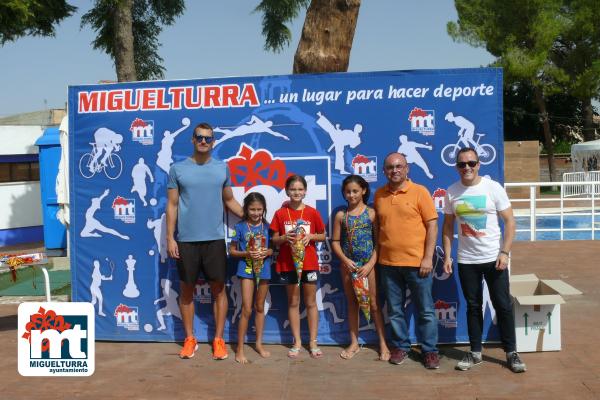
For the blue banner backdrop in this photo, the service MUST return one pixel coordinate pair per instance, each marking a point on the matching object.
(124, 137)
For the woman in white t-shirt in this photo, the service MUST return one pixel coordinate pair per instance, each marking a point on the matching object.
(474, 203)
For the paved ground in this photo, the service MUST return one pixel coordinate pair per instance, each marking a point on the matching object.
(153, 371)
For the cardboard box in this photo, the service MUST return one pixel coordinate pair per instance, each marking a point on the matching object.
(537, 311)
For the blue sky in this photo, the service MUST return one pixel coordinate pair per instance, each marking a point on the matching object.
(223, 38)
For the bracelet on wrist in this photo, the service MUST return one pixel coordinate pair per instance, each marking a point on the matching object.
(506, 253)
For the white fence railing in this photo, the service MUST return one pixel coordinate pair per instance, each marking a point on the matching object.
(581, 177)
(559, 206)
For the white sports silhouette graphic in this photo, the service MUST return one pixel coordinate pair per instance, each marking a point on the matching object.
(340, 138)
(255, 125)
(268, 302)
(131, 289)
(322, 291)
(466, 132)
(171, 307)
(487, 303)
(385, 313)
(92, 225)
(106, 144)
(371, 325)
(438, 265)
(97, 279)
(106, 141)
(159, 228)
(165, 155)
(235, 292)
(138, 174)
(409, 149)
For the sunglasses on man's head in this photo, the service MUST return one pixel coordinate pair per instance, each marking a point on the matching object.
(463, 164)
(207, 139)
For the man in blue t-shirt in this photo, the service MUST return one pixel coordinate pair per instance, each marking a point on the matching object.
(198, 188)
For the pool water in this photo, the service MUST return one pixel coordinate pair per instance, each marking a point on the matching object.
(553, 222)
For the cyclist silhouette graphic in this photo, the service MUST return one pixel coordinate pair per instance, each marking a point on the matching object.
(486, 152)
(103, 156)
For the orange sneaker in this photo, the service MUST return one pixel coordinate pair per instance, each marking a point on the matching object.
(219, 349)
(190, 345)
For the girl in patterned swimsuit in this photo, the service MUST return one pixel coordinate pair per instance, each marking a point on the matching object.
(353, 231)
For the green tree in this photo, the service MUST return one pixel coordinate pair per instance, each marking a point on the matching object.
(327, 33)
(128, 30)
(31, 17)
(521, 120)
(521, 34)
(577, 52)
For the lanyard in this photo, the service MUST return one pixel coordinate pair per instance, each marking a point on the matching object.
(290, 215)
(350, 231)
(250, 229)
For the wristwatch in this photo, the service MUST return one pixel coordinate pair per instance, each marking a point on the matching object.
(506, 253)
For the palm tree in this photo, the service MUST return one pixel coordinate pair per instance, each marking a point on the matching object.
(327, 33)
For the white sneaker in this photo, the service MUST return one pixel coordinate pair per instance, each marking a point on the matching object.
(514, 362)
(469, 360)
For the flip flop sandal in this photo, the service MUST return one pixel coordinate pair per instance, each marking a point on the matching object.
(348, 354)
(316, 352)
(293, 352)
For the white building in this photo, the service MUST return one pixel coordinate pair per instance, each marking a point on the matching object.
(20, 199)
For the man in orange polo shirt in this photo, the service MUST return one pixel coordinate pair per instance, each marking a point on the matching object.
(406, 241)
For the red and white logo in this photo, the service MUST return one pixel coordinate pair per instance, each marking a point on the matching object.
(446, 313)
(365, 166)
(56, 339)
(142, 131)
(257, 170)
(422, 121)
(439, 199)
(124, 209)
(127, 317)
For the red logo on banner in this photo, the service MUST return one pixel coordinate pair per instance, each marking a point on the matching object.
(252, 168)
(137, 123)
(439, 199)
(122, 308)
(360, 159)
(120, 201)
(441, 304)
(417, 112)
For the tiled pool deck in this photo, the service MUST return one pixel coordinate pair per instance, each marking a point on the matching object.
(153, 370)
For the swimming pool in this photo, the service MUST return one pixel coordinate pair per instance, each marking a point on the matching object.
(581, 222)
